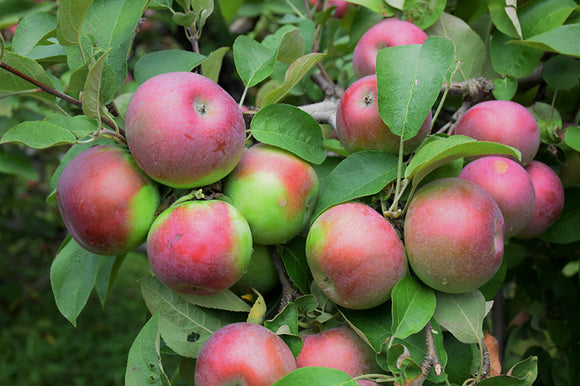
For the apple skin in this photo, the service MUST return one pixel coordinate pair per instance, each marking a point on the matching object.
(106, 202)
(184, 130)
(549, 199)
(503, 122)
(355, 255)
(243, 354)
(260, 275)
(338, 348)
(275, 190)
(360, 127)
(199, 247)
(454, 234)
(390, 32)
(510, 186)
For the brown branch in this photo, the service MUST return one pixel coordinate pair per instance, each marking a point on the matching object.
(289, 292)
(431, 358)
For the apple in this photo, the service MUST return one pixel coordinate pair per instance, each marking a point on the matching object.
(355, 255)
(549, 199)
(454, 234)
(341, 7)
(338, 348)
(260, 275)
(106, 202)
(243, 354)
(503, 122)
(360, 127)
(184, 130)
(509, 184)
(199, 247)
(389, 32)
(275, 190)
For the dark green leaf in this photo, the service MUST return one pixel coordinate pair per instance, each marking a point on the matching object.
(541, 16)
(561, 72)
(462, 315)
(409, 79)
(160, 62)
(563, 40)
(39, 135)
(319, 376)
(413, 307)
(144, 361)
(70, 16)
(505, 18)
(505, 88)
(290, 128)
(294, 258)
(107, 269)
(512, 59)
(225, 300)
(372, 325)
(33, 28)
(549, 121)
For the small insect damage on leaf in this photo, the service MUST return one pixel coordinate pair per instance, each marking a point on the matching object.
(193, 337)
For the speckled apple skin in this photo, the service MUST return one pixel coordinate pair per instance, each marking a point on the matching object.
(184, 130)
(360, 127)
(503, 122)
(243, 354)
(275, 190)
(454, 235)
(338, 348)
(106, 202)
(510, 186)
(199, 247)
(390, 32)
(549, 199)
(355, 255)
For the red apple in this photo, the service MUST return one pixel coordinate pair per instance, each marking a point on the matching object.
(549, 199)
(503, 122)
(360, 127)
(338, 348)
(243, 354)
(106, 202)
(454, 234)
(184, 130)
(275, 190)
(199, 247)
(509, 184)
(387, 33)
(355, 255)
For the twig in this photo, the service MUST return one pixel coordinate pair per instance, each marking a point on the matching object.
(486, 361)
(289, 292)
(499, 327)
(322, 80)
(431, 359)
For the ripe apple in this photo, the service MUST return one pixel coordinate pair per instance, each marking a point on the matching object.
(243, 354)
(355, 255)
(338, 348)
(510, 186)
(549, 199)
(260, 275)
(106, 202)
(199, 247)
(454, 234)
(390, 32)
(275, 190)
(360, 127)
(184, 130)
(503, 122)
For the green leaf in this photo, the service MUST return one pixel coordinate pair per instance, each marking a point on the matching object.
(549, 121)
(144, 362)
(378, 6)
(38, 135)
(70, 16)
(409, 79)
(202, 9)
(470, 51)
(225, 300)
(423, 13)
(372, 325)
(541, 16)
(562, 40)
(287, 42)
(212, 65)
(10, 82)
(33, 28)
(505, 18)
(91, 94)
(290, 128)
(319, 376)
(413, 307)
(285, 325)
(254, 61)
(229, 9)
(462, 315)
(18, 164)
(512, 59)
(80, 125)
(184, 327)
(505, 88)
(572, 137)
(561, 72)
(294, 258)
(296, 71)
(361, 174)
(72, 276)
(523, 373)
(184, 19)
(107, 269)
(160, 62)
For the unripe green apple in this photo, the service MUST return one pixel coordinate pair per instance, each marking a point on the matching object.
(260, 275)
(454, 234)
(355, 255)
(199, 247)
(106, 202)
(275, 190)
(243, 354)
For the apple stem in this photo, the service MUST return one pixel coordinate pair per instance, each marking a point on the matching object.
(289, 292)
